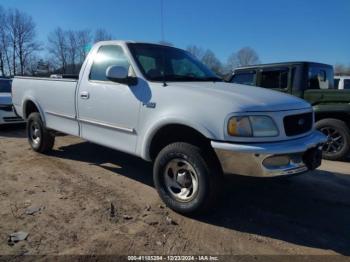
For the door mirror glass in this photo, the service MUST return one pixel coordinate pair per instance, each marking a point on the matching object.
(117, 73)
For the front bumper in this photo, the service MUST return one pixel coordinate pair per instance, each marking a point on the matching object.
(9, 117)
(271, 159)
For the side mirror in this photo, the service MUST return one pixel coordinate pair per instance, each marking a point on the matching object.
(117, 74)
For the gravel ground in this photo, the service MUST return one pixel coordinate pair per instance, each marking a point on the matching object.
(87, 199)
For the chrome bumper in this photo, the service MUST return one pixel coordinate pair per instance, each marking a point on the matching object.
(271, 159)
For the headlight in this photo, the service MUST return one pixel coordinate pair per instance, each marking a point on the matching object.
(248, 126)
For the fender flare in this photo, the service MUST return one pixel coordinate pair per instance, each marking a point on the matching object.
(31, 99)
(165, 121)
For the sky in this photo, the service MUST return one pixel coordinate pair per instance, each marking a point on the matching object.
(279, 30)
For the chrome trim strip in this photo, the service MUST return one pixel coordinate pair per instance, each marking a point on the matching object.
(47, 78)
(119, 128)
(60, 115)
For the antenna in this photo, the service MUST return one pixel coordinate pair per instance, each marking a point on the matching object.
(162, 20)
(162, 38)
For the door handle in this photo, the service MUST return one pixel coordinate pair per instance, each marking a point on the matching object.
(84, 95)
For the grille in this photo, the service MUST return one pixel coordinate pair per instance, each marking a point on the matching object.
(297, 124)
(6, 108)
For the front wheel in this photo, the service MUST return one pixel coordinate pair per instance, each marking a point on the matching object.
(338, 138)
(39, 138)
(186, 179)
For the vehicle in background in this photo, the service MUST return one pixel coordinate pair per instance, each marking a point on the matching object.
(342, 82)
(313, 82)
(7, 113)
(161, 104)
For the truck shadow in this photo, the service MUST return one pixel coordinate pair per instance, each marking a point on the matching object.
(311, 210)
(13, 131)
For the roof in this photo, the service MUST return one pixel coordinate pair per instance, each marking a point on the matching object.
(280, 64)
(128, 42)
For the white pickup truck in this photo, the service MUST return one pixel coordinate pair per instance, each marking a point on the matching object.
(161, 104)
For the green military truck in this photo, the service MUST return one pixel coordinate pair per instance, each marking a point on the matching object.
(313, 82)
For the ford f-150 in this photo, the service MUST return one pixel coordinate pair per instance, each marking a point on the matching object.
(163, 105)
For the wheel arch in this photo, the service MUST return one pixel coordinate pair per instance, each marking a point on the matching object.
(342, 116)
(30, 106)
(166, 132)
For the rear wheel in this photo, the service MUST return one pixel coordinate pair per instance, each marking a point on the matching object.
(186, 179)
(39, 138)
(338, 138)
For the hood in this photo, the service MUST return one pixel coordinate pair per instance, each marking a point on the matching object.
(5, 99)
(245, 98)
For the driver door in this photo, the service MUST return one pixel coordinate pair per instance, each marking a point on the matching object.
(108, 111)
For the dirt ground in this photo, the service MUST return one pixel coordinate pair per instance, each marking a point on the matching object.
(94, 200)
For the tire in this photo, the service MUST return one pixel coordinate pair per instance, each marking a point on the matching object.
(338, 133)
(39, 138)
(178, 164)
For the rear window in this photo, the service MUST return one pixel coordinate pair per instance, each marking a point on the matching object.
(346, 83)
(320, 77)
(5, 86)
(275, 78)
(244, 78)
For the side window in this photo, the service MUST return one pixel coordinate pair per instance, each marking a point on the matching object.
(336, 83)
(346, 83)
(320, 77)
(275, 78)
(105, 57)
(148, 63)
(246, 78)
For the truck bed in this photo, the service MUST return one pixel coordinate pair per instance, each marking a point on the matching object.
(55, 98)
(327, 96)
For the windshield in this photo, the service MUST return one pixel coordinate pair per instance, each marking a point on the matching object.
(5, 86)
(163, 63)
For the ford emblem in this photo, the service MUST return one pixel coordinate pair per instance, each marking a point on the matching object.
(301, 121)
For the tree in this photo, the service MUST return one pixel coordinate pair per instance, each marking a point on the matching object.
(72, 49)
(245, 56)
(17, 41)
(11, 26)
(340, 69)
(211, 61)
(58, 47)
(26, 44)
(84, 44)
(196, 51)
(3, 41)
(207, 57)
(69, 49)
(102, 35)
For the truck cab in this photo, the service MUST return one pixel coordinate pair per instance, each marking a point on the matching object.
(313, 82)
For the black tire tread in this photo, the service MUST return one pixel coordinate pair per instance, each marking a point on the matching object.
(344, 129)
(47, 140)
(201, 158)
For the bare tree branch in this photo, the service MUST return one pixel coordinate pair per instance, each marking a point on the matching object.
(84, 44)
(102, 35)
(196, 51)
(245, 56)
(58, 47)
